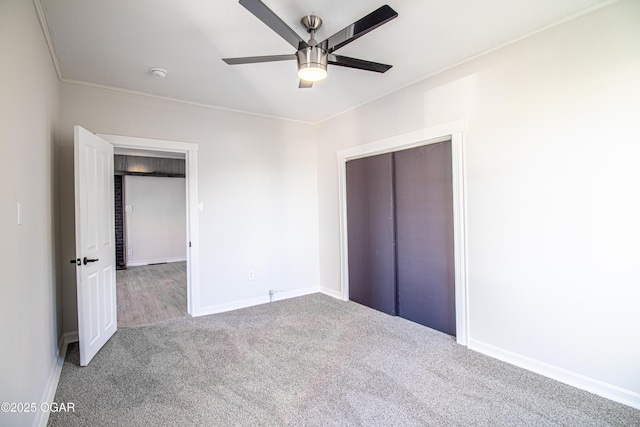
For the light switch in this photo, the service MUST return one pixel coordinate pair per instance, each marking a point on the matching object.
(19, 213)
(128, 208)
(200, 207)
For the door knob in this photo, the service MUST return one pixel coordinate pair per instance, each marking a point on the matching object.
(86, 260)
(76, 261)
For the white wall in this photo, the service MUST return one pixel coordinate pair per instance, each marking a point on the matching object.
(29, 289)
(156, 225)
(257, 179)
(552, 149)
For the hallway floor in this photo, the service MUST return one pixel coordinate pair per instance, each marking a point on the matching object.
(151, 293)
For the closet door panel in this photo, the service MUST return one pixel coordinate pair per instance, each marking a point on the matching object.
(370, 232)
(424, 236)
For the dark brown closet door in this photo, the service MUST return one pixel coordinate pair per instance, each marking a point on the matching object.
(424, 236)
(370, 232)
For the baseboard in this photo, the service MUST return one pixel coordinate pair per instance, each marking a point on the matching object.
(282, 295)
(250, 302)
(155, 261)
(42, 417)
(609, 391)
(70, 337)
(331, 292)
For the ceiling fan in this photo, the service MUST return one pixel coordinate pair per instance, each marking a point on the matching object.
(312, 56)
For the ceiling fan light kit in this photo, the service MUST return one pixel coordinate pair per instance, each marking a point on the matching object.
(312, 64)
(313, 57)
(312, 60)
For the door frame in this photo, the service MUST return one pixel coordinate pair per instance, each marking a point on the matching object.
(190, 151)
(453, 131)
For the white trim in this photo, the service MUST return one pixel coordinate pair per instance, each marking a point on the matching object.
(282, 295)
(451, 130)
(183, 101)
(331, 292)
(42, 417)
(250, 302)
(47, 36)
(49, 393)
(190, 151)
(70, 337)
(609, 391)
(155, 261)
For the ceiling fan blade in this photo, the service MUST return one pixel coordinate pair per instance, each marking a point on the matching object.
(273, 21)
(360, 64)
(380, 16)
(256, 59)
(304, 84)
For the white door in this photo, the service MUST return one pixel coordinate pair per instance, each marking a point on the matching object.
(95, 251)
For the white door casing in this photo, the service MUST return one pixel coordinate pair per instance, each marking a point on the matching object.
(95, 250)
(190, 151)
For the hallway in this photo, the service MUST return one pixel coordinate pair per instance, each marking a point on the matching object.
(151, 293)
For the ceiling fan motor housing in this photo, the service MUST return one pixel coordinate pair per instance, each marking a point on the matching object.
(312, 57)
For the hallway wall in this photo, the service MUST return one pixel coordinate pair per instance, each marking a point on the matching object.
(156, 225)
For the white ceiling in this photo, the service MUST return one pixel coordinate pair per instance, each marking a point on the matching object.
(114, 43)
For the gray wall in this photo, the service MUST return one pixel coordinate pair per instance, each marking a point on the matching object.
(29, 289)
(257, 180)
(552, 149)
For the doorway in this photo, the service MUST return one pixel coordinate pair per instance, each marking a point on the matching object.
(151, 242)
(187, 151)
(94, 232)
(453, 131)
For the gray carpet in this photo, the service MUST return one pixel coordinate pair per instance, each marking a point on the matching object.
(312, 361)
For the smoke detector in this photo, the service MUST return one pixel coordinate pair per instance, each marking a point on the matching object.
(158, 73)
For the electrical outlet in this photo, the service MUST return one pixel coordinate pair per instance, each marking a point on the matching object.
(251, 275)
(130, 252)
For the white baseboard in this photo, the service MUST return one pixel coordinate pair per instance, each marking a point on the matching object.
(250, 302)
(42, 417)
(609, 391)
(331, 292)
(154, 261)
(70, 337)
(281, 295)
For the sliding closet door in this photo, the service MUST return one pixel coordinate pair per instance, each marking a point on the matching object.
(371, 233)
(424, 236)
